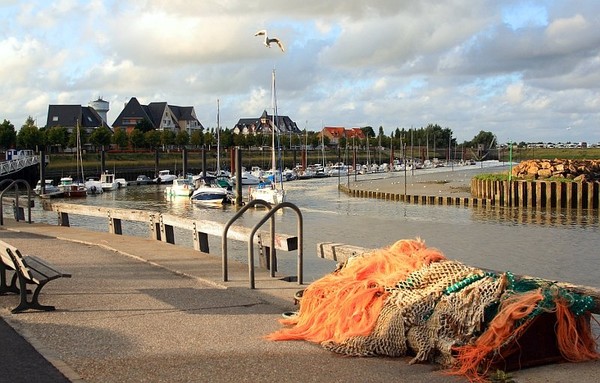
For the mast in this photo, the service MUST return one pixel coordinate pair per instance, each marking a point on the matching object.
(274, 105)
(218, 142)
(79, 155)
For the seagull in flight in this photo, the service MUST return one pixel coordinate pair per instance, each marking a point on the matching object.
(268, 40)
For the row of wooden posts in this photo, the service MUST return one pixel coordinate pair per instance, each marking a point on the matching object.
(516, 193)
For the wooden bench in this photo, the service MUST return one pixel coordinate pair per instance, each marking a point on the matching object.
(28, 270)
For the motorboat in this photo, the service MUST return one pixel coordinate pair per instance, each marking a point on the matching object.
(208, 191)
(108, 182)
(165, 177)
(121, 182)
(248, 178)
(72, 189)
(180, 187)
(93, 186)
(268, 192)
(143, 179)
(50, 190)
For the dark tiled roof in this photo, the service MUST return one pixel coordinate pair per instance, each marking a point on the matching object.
(284, 124)
(132, 111)
(68, 116)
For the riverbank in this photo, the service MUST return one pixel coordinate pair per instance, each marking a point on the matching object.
(141, 310)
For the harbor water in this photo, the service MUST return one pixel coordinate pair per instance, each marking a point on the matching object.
(557, 245)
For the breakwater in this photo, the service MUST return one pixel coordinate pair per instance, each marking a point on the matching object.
(516, 193)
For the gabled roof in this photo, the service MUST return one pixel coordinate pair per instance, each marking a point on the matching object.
(68, 116)
(263, 124)
(132, 110)
(153, 112)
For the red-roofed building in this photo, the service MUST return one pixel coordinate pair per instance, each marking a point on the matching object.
(335, 133)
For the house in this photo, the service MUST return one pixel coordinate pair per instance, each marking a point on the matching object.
(264, 125)
(161, 116)
(335, 133)
(70, 116)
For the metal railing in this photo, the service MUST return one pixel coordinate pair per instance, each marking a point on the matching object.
(18, 209)
(13, 166)
(268, 215)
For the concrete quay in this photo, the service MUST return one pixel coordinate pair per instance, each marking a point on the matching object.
(138, 310)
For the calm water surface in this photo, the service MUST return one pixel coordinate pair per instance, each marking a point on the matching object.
(549, 244)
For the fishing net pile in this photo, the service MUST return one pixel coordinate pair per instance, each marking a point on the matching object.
(409, 299)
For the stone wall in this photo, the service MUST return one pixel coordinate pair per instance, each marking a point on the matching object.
(576, 170)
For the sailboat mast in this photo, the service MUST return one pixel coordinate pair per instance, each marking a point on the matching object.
(79, 155)
(218, 141)
(274, 105)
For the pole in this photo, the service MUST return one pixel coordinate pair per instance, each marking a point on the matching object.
(238, 176)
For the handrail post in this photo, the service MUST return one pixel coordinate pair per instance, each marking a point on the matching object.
(228, 225)
(300, 241)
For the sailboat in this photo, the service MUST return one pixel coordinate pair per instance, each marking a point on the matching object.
(70, 188)
(270, 191)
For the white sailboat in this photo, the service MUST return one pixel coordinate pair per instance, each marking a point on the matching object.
(270, 191)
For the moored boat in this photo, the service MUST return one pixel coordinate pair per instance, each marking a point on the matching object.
(108, 182)
(164, 177)
(179, 187)
(72, 189)
(209, 192)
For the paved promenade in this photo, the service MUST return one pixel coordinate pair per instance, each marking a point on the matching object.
(138, 310)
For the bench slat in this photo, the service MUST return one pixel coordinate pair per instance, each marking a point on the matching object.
(44, 269)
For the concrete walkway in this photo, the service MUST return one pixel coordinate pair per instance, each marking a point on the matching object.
(138, 310)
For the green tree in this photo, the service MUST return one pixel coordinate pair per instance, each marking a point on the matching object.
(368, 130)
(8, 135)
(136, 138)
(182, 138)
(30, 137)
(101, 137)
(167, 137)
(239, 140)
(119, 138)
(151, 139)
(250, 140)
(83, 138)
(209, 138)
(487, 139)
(144, 125)
(57, 136)
(197, 138)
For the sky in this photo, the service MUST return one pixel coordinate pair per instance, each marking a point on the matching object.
(523, 70)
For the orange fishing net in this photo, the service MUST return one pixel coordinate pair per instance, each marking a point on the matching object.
(409, 299)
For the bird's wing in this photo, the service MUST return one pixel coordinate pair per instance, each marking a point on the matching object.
(280, 45)
(261, 32)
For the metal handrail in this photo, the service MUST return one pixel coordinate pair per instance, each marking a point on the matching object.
(272, 255)
(231, 221)
(15, 184)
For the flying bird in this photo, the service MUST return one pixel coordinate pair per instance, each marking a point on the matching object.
(268, 40)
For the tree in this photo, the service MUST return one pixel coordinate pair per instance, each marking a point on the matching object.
(101, 137)
(30, 137)
(119, 138)
(182, 138)
(57, 136)
(167, 137)
(368, 131)
(151, 138)
(144, 125)
(239, 140)
(8, 135)
(136, 138)
(197, 138)
(487, 139)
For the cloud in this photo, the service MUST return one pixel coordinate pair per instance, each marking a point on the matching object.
(516, 68)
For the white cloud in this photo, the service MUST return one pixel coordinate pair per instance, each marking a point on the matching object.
(465, 65)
